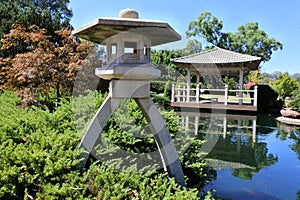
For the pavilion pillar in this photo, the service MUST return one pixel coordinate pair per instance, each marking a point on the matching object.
(241, 86)
(197, 88)
(188, 85)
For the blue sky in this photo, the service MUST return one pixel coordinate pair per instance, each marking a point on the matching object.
(279, 19)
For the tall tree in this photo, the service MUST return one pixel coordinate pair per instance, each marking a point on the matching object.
(161, 59)
(209, 27)
(42, 66)
(49, 14)
(249, 39)
(193, 46)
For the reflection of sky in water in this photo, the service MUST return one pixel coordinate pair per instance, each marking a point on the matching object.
(277, 171)
(281, 180)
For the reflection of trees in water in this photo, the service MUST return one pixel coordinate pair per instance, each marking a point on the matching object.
(266, 122)
(291, 132)
(254, 157)
(238, 148)
(262, 160)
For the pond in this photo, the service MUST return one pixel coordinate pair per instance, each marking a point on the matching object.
(255, 157)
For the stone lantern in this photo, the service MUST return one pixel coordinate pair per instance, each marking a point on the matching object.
(128, 40)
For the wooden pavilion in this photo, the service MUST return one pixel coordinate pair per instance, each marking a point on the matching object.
(217, 62)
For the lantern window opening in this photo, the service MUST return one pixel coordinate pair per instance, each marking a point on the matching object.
(112, 51)
(130, 50)
(113, 48)
(130, 47)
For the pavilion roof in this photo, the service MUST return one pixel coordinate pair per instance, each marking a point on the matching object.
(221, 164)
(225, 61)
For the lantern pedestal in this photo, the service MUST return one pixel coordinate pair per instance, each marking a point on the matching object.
(140, 92)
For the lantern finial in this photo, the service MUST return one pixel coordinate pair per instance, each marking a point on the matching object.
(129, 13)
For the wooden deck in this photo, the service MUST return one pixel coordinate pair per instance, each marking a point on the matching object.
(215, 105)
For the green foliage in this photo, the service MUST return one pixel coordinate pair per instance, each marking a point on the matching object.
(285, 85)
(84, 108)
(52, 15)
(161, 100)
(161, 93)
(132, 136)
(209, 27)
(39, 154)
(254, 77)
(193, 47)
(39, 151)
(195, 167)
(295, 102)
(249, 39)
(161, 60)
(231, 83)
(105, 183)
(157, 87)
(40, 66)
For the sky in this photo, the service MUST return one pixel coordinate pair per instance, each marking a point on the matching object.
(279, 19)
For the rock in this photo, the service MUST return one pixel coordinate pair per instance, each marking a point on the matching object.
(288, 120)
(290, 113)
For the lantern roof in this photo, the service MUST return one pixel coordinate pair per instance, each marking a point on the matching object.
(159, 32)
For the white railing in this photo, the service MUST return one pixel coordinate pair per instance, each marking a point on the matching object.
(181, 93)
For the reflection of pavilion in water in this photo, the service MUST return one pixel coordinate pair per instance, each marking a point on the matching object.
(231, 141)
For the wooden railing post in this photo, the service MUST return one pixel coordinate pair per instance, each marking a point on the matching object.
(226, 94)
(188, 93)
(197, 93)
(184, 94)
(188, 86)
(173, 93)
(255, 95)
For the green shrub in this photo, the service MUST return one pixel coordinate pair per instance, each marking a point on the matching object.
(285, 85)
(38, 151)
(295, 102)
(106, 183)
(157, 86)
(39, 155)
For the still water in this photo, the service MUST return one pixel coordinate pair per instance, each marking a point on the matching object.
(255, 157)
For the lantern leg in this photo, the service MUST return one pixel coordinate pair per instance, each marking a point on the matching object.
(169, 155)
(93, 133)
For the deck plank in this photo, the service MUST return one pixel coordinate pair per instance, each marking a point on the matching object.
(218, 106)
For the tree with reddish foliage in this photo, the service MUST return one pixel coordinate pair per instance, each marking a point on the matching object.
(40, 67)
